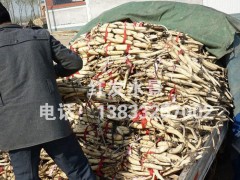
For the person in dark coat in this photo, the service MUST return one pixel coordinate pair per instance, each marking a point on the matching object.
(30, 104)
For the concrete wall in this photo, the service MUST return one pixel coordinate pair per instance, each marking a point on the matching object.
(65, 18)
(96, 7)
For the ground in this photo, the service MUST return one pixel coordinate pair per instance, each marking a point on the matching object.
(64, 36)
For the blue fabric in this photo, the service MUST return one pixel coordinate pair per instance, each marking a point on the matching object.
(233, 66)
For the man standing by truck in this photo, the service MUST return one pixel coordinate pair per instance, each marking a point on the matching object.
(28, 82)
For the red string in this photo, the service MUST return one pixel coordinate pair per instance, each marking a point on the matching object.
(172, 91)
(177, 38)
(88, 36)
(138, 118)
(1, 169)
(102, 85)
(140, 113)
(111, 76)
(147, 132)
(106, 128)
(145, 156)
(129, 63)
(73, 50)
(72, 76)
(159, 139)
(128, 48)
(180, 52)
(125, 34)
(106, 49)
(106, 34)
(85, 133)
(100, 166)
(140, 24)
(144, 123)
(150, 171)
(97, 76)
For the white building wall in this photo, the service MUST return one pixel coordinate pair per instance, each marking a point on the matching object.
(226, 6)
(96, 7)
(74, 17)
(67, 17)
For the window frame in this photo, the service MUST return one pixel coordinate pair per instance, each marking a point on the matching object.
(51, 5)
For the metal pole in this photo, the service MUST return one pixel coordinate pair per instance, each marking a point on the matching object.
(88, 10)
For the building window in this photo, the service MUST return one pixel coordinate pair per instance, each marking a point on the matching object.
(56, 2)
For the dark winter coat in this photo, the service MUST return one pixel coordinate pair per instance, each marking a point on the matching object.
(27, 82)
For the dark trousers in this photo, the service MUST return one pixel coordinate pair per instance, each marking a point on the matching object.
(66, 153)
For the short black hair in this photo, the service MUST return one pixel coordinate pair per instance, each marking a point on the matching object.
(4, 14)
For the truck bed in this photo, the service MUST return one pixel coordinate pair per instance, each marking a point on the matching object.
(199, 170)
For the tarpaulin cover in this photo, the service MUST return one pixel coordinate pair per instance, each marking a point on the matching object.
(213, 28)
(216, 30)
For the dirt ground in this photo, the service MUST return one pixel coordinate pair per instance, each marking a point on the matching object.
(64, 36)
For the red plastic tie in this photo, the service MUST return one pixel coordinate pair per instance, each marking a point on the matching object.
(150, 171)
(129, 63)
(172, 91)
(97, 76)
(140, 113)
(145, 156)
(144, 123)
(128, 48)
(100, 166)
(125, 34)
(69, 77)
(158, 140)
(73, 50)
(102, 85)
(110, 74)
(147, 132)
(181, 52)
(106, 34)
(177, 38)
(106, 128)
(85, 133)
(88, 36)
(106, 49)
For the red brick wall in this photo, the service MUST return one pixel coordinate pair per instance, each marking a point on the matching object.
(50, 4)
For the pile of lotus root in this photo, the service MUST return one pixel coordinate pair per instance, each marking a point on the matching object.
(144, 104)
